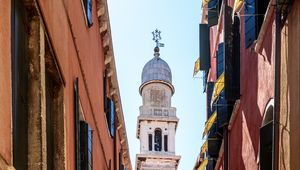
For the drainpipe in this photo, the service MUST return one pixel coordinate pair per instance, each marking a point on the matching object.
(225, 128)
(275, 156)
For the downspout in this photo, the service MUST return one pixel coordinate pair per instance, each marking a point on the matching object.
(276, 116)
(225, 128)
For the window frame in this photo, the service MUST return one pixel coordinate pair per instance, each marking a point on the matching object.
(86, 12)
(158, 139)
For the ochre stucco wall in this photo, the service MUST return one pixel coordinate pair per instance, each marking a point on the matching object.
(289, 137)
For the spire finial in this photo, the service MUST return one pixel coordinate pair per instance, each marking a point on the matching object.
(156, 39)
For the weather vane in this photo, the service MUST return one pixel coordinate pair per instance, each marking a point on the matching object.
(157, 38)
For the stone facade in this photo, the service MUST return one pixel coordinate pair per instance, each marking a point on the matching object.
(157, 122)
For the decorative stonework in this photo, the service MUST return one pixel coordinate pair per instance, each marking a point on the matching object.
(109, 60)
(157, 122)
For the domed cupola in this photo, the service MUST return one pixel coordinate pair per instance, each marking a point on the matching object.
(156, 71)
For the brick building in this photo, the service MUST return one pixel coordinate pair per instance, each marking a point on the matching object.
(60, 101)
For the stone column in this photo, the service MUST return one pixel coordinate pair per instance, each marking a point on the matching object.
(37, 149)
(172, 132)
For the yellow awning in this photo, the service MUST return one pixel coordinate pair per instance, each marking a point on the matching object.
(219, 86)
(205, 2)
(237, 5)
(197, 66)
(209, 123)
(204, 147)
(203, 164)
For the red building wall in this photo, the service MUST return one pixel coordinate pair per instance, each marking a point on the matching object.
(256, 89)
(79, 53)
(82, 57)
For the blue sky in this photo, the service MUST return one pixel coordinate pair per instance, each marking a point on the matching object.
(132, 22)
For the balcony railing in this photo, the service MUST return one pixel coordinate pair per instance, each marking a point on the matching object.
(158, 111)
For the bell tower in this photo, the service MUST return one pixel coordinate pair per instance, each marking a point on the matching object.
(157, 122)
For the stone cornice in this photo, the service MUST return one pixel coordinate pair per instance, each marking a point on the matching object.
(142, 157)
(157, 81)
(109, 60)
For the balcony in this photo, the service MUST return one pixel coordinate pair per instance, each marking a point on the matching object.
(158, 111)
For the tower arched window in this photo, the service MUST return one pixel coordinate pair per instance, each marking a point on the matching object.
(157, 140)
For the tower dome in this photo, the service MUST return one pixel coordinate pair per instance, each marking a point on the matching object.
(157, 71)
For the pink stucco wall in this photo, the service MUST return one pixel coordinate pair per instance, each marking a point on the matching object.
(257, 88)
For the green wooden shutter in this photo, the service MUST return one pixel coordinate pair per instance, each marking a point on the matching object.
(77, 124)
(88, 4)
(204, 47)
(250, 22)
(83, 145)
(220, 59)
(213, 12)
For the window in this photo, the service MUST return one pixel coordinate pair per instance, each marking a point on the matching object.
(150, 142)
(232, 62)
(214, 7)
(86, 146)
(266, 138)
(204, 47)
(109, 107)
(110, 116)
(157, 140)
(224, 109)
(88, 11)
(105, 98)
(77, 124)
(266, 146)
(19, 85)
(236, 57)
(83, 136)
(220, 59)
(121, 165)
(166, 143)
(27, 94)
(254, 15)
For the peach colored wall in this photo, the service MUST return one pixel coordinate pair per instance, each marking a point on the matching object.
(5, 82)
(79, 52)
(289, 137)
